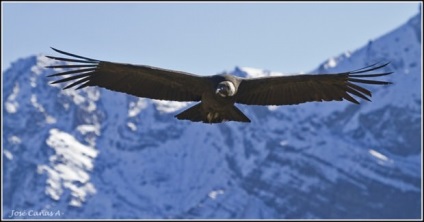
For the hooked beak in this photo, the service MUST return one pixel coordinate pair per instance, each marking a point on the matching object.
(221, 91)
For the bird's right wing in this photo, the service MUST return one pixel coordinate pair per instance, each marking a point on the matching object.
(138, 80)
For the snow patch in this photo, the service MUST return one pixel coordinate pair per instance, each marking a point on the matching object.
(255, 72)
(378, 155)
(14, 140)
(33, 81)
(132, 126)
(347, 54)
(215, 193)
(136, 107)
(76, 97)
(8, 154)
(11, 104)
(69, 167)
(40, 108)
(330, 63)
(284, 143)
(50, 120)
(84, 129)
(36, 105)
(272, 108)
(11, 107)
(42, 62)
(92, 95)
(164, 106)
(252, 72)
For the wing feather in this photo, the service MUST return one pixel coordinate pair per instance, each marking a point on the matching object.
(137, 80)
(288, 90)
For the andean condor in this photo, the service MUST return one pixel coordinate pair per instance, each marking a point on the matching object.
(216, 94)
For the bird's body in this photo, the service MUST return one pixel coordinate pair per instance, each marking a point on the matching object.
(217, 102)
(217, 94)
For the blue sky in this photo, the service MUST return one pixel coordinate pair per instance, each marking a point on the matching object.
(201, 38)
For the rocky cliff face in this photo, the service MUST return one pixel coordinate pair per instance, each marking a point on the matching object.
(96, 154)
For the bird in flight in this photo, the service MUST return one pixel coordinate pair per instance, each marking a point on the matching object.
(216, 94)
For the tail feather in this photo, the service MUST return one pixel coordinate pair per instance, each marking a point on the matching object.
(198, 114)
(193, 113)
(236, 115)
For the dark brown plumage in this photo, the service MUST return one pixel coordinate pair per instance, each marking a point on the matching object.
(217, 94)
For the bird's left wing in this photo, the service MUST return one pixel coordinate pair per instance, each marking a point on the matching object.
(288, 90)
(137, 80)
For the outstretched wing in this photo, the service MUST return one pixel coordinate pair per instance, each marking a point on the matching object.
(288, 90)
(137, 80)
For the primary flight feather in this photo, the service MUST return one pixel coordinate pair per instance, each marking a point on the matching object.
(217, 94)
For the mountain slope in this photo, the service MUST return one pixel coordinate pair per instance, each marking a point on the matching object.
(96, 154)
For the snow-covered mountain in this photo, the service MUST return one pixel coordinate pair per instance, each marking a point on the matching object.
(98, 154)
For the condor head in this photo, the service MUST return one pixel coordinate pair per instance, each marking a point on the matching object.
(225, 89)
